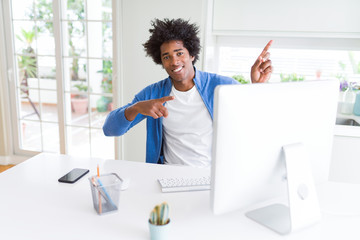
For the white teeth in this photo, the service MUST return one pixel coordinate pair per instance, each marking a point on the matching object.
(177, 70)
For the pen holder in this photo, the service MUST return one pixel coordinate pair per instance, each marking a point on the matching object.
(159, 232)
(105, 192)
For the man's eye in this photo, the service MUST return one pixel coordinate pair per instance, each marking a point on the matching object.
(180, 53)
(166, 57)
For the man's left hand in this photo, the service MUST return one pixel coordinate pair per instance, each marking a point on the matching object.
(262, 68)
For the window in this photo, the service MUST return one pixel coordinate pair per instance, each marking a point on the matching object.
(309, 42)
(307, 64)
(62, 52)
(293, 59)
(297, 59)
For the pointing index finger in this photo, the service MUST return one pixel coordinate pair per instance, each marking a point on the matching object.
(266, 48)
(167, 98)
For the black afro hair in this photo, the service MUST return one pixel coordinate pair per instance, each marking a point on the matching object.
(172, 29)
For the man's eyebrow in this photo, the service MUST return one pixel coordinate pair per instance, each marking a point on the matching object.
(176, 50)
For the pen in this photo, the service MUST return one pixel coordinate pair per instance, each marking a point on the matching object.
(104, 191)
(98, 175)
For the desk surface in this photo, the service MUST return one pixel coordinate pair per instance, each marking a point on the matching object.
(34, 205)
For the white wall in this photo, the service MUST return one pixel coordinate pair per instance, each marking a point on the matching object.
(138, 70)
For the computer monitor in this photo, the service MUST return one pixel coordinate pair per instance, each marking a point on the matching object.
(271, 141)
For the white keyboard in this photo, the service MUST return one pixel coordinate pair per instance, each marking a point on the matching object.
(184, 184)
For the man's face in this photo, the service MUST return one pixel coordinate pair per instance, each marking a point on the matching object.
(177, 61)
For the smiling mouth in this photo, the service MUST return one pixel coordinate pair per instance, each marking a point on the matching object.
(178, 69)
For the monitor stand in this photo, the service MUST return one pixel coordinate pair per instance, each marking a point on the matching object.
(303, 204)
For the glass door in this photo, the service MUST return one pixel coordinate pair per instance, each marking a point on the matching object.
(62, 56)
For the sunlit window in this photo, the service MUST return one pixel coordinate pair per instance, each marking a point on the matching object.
(294, 64)
(301, 65)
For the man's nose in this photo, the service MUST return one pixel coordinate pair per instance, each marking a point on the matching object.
(174, 60)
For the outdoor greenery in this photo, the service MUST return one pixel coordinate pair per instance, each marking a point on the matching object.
(27, 62)
(43, 10)
(355, 65)
(27, 67)
(293, 77)
(106, 83)
(75, 11)
(241, 79)
(27, 37)
(103, 103)
(81, 87)
(343, 79)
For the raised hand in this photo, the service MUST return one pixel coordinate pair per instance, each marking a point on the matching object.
(154, 108)
(262, 68)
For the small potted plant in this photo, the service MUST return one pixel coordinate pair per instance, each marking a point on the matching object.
(159, 222)
(79, 101)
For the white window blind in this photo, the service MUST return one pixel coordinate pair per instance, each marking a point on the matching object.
(319, 18)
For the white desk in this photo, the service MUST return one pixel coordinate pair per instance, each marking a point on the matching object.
(34, 205)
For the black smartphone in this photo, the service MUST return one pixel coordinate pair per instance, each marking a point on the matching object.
(73, 175)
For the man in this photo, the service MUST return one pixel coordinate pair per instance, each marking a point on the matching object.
(178, 109)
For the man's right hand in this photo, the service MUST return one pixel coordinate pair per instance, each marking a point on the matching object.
(262, 68)
(153, 108)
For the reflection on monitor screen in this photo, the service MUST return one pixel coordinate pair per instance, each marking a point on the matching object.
(272, 141)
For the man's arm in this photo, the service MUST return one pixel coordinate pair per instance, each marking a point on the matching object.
(153, 108)
(116, 123)
(119, 121)
(262, 68)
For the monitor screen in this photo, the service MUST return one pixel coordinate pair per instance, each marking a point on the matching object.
(252, 123)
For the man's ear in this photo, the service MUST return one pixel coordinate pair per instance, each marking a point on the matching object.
(192, 58)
